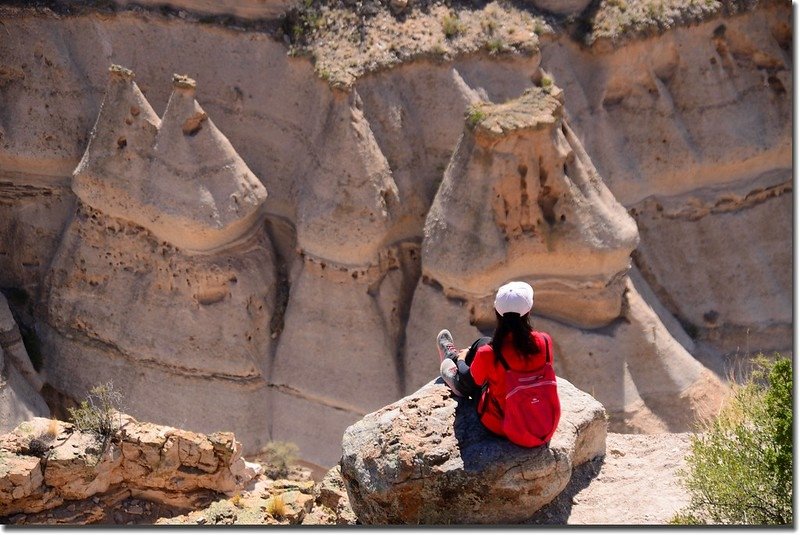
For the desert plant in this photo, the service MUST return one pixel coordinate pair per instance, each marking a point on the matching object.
(452, 26)
(546, 82)
(489, 26)
(739, 470)
(39, 445)
(279, 457)
(98, 413)
(276, 507)
(475, 115)
(302, 20)
(495, 46)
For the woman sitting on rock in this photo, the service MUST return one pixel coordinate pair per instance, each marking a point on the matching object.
(510, 373)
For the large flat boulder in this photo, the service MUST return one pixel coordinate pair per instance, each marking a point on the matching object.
(426, 459)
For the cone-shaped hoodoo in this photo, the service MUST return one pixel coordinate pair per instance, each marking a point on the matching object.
(115, 165)
(206, 193)
(178, 177)
(548, 217)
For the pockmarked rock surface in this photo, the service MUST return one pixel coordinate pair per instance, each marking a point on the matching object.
(427, 459)
(44, 462)
(520, 198)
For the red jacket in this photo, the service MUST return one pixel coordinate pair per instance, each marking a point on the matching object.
(485, 367)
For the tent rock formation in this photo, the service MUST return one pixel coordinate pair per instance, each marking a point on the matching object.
(166, 240)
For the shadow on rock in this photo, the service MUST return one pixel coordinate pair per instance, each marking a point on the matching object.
(559, 510)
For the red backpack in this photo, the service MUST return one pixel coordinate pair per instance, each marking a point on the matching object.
(532, 408)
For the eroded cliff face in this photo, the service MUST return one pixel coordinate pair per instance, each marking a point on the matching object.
(164, 280)
(691, 131)
(290, 317)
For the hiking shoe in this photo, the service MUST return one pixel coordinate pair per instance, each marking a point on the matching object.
(449, 372)
(445, 345)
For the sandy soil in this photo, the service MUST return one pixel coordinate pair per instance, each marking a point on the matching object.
(636, 483)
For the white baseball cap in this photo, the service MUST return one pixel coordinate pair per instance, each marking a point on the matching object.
(516, 296)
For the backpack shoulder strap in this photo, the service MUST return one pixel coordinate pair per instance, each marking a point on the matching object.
(548, 349)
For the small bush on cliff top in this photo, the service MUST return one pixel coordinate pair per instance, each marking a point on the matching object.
(98, 413)
(452, 26)
(475, 115)
(740, 467)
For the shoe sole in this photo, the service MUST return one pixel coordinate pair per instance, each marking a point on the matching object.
(439, 346)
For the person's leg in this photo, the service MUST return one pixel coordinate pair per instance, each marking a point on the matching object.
(448, 356)
(449, 373)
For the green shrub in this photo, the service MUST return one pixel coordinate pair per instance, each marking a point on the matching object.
(475, 115)
(452, 26)
(495, 46)
(279, 458)
(739, 470)
(98, 413)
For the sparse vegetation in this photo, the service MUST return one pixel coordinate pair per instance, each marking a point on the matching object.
(303, 20)
(279, 457)
(546, 82)
(276, 507)
(99, 412)
(475, 115)
(495, 46)
(739, 470)
(489, 26)
(39, 445)
(620, 20)
(452, 26)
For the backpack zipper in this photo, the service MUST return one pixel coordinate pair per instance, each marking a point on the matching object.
(523, 387)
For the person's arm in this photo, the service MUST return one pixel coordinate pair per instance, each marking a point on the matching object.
(479, 367)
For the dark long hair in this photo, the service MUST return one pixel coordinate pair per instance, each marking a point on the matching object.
(520, 329)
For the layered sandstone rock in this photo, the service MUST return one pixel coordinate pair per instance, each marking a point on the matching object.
(244, 9)
(427, 459)
(644, 375)
(691, 131)
(129, 296)
(154, 462)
